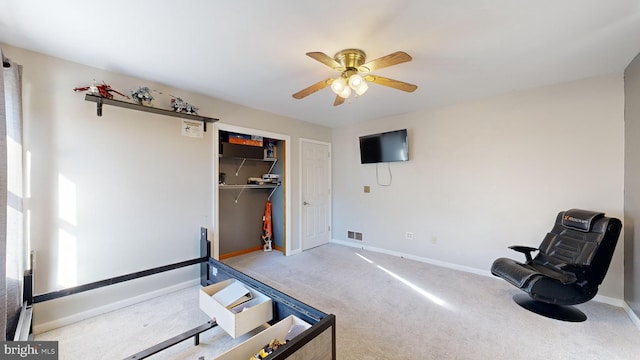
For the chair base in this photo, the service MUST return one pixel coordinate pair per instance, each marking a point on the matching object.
(558, 312)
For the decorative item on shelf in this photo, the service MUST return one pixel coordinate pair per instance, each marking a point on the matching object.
(270, 150)
(244, 139)
(255, 181)
(179, 105)
(142, 96)
(103, 90)
(271, 178)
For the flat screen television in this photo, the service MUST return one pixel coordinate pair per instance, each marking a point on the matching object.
(384, 147)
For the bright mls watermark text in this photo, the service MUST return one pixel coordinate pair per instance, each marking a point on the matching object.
(30, 350)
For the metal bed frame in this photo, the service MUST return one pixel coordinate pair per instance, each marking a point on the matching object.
(211, 271)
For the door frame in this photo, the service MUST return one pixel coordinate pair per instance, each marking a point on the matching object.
(329, 184)
(286, 182)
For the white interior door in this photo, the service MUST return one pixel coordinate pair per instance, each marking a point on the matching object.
(316, 193)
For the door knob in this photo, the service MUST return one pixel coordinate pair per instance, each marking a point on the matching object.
(306, 203)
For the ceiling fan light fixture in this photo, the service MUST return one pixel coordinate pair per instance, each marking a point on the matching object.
(345, 92)
(357, 83)
(355, 80)
(339, 85)
(355, 73)
(362, 88)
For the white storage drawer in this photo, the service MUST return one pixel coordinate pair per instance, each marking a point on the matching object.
(252, 346)
(257, 311)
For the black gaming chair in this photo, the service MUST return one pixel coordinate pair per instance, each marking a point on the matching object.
(570, 265)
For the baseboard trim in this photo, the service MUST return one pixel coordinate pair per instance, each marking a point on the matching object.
(240, 252)
(609, 300)
(632, 315)
(445, 264)
(44, 327)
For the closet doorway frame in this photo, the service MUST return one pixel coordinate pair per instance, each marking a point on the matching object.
(215, 231)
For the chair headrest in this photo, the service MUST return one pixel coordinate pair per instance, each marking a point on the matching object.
(580, 220)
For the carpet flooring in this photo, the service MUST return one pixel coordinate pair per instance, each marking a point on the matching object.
(386, 308)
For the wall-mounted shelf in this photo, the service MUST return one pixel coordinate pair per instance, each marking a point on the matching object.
(247, 158)
(250, 186)
(127, 105)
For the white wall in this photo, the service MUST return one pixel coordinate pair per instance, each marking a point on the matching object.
(631, 185)
(487, 174)
(125, 190)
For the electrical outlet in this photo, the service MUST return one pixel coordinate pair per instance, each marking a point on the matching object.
(367, 189)
(434, 239)
(408, 235)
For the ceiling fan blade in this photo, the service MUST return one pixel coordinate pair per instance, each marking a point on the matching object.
(391, 83)
(326, 59)
(338, 101)
(397, 57)
(313, 88)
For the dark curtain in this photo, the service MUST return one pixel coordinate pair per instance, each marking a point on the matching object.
(12, 242)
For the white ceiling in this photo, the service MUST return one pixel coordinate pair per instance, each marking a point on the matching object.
(252, 52)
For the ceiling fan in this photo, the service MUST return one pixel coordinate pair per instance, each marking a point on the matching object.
(355, 73)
